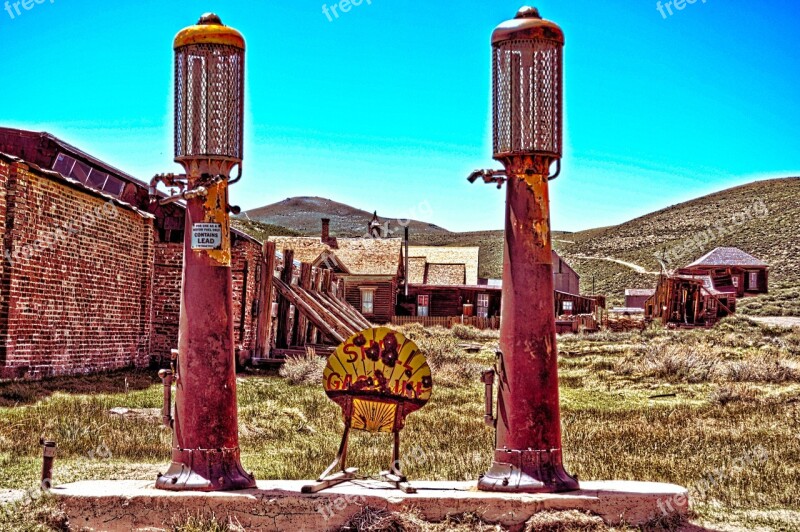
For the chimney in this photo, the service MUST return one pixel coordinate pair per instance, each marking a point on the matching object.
(405, 266)
(326, 230)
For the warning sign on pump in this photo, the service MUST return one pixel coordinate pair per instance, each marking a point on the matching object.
(206, 236)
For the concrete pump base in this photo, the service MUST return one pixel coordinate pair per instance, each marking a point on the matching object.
(279, 505)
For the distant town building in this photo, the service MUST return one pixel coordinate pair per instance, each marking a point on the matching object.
(748, 275)
(637, 297)
(370, 267)
(439, 265)
(444, 283)
(689, 300)
(706, 290)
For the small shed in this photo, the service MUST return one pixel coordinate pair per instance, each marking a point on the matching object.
(689, 300)
(637, 297)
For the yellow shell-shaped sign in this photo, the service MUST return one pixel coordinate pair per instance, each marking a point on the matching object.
(375, 376)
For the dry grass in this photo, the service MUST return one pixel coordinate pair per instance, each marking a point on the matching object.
(738, 350)
(565, 522)
(620, 421)
(306, 369)
(468, 332)
(781, 301)
(204, 522)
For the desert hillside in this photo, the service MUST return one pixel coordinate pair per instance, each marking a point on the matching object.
(302, 214)
(762, 218)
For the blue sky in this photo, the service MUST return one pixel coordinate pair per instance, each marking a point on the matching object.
(388, 106)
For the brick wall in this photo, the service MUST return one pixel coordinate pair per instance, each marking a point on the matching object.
(5, 170)
(166, 298)
(76, 293)
(245, 260)
(246, 272)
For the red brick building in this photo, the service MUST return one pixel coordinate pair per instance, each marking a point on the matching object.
(91, 274)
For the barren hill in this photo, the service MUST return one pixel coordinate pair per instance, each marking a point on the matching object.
(762, 218)
(302, 214)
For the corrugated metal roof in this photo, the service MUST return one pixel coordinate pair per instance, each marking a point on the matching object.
(727, 257)
(640, 292)
(51, 174)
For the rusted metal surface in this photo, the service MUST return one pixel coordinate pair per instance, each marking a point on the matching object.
(528, 444)
(528, 25)
(167, 378)
(527, 140)
(205, 450)
(209, 92)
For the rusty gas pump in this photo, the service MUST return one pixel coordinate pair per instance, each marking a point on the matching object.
(527, 93)
(209, 117)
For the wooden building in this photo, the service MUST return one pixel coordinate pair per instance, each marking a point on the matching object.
(439, 286)
(690, 300)
(370, 268)
(637, 297)
(310, 313)
(747, 275)
(439, 301)
(565, 279)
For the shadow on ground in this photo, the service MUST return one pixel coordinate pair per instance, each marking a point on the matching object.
(17, 393)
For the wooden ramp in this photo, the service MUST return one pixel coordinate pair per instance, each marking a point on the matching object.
(312, 311)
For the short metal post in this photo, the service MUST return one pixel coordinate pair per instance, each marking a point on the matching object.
(48, 457)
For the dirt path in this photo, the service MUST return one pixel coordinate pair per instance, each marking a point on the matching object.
(780, 321)
(632, 266)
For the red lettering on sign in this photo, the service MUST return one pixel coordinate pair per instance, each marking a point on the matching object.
(350, 349)
(334, 385)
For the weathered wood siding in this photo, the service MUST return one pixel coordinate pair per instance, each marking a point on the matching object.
(385, 295)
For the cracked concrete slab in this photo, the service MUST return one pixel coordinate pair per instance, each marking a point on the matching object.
(279, 505)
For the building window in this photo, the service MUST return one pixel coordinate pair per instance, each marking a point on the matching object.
(483, 305)
(735, 279)
(367, 301)
(567, 305)
(423, 305)
(92, 177)
(752, 278)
